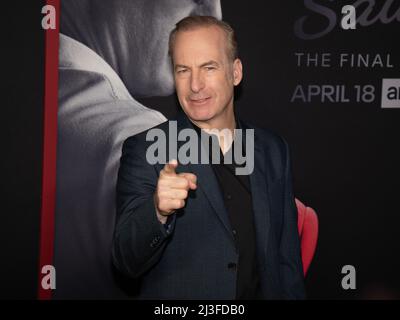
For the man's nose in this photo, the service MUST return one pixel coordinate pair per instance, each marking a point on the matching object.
(196, 82)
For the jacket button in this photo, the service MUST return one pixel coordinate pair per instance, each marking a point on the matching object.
(155, 241)
(232, 266)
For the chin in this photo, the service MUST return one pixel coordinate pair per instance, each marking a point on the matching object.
(199, 115)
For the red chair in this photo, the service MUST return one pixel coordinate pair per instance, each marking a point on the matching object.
(308, 232)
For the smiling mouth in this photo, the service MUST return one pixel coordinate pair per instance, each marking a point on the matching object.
(199, 101)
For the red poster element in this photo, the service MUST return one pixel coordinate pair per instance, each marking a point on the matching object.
(49, 150)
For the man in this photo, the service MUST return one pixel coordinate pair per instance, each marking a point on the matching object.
(110, 53)
(199, 231)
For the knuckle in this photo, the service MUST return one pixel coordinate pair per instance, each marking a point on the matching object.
(161, 180)
(185, 183)
(161, 204)
(181, 203)
(160, 194)
(177, 204)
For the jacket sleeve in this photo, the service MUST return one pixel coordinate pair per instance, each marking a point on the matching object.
(291, 268)
(139, 238)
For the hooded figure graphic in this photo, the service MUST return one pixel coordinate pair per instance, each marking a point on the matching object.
(110, 53)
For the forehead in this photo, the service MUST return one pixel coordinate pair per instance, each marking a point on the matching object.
(199, 44)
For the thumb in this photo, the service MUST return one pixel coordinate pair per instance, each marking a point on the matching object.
(170, 167)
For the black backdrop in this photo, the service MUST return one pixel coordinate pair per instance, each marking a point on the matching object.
(21, 164)
(344, 154)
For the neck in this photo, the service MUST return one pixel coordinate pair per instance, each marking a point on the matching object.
(225, 127)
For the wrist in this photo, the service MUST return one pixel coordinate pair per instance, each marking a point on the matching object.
(160, 217)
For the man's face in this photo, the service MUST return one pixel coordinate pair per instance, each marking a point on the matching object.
(205, 76)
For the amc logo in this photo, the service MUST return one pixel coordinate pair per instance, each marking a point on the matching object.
(390, 93)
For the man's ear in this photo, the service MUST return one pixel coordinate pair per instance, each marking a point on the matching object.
(237, 72)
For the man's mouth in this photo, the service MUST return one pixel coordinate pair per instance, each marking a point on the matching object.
(199, 101)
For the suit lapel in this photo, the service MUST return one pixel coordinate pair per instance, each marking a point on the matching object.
(260, 197)
(209, 187)
(207, 182)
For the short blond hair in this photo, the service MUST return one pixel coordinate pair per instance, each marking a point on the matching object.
(194, 22)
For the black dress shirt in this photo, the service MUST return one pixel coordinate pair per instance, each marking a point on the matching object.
(236, 192)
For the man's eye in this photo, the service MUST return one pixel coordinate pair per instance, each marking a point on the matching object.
(181, 71)
(210, 68)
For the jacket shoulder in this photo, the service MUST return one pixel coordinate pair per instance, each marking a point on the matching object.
(275, 149)
(268, 138)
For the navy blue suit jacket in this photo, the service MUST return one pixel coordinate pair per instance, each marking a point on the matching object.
(190, 260)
